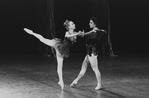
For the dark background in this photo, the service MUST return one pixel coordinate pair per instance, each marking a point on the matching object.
(129, 24)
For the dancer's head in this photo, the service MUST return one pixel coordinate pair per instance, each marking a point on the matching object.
(93, 22)
(69, 25)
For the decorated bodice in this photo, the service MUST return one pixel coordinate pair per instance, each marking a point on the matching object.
(73, 38)
(68, 42)
(93, 37)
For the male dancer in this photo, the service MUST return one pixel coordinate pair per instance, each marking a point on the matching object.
(92, 39)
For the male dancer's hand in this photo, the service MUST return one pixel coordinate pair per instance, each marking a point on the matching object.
(81, 33)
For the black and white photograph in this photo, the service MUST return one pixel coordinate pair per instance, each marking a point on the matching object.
(74, 49)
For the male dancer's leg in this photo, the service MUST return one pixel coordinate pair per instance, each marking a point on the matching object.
(94, 64)
(59, 69)
(82, 72)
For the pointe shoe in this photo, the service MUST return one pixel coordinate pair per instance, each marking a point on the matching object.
(61, 84)
(28, 31)
(98, 87)
(73, 84)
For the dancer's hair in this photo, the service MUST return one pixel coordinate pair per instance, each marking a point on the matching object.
(66, 23)
(94, 19)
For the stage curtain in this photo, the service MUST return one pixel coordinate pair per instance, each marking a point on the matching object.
(45, 23)
(100, 10)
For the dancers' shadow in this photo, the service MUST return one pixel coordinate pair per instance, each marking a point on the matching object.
(91, 93)
(65, 94)
(108, 94)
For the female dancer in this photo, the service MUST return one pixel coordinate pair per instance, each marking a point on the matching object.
(61, 47)
(92, 39)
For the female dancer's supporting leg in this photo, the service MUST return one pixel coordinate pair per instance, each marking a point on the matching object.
(59, 69)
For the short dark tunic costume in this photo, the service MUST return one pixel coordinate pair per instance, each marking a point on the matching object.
(92, 40)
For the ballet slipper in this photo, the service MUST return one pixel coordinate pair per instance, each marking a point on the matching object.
(74, 83)
(28, 31)
(61, 84)
(98, 87)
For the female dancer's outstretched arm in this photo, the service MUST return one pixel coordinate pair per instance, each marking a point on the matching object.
(72, 35)
(49, 42)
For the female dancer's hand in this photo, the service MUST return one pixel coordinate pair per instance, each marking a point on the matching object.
(81, 33)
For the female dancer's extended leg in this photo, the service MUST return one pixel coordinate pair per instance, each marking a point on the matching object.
(49, 42)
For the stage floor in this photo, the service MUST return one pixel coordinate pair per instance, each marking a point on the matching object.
(125, 76)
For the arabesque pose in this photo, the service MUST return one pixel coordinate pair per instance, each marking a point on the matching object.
(92, 38)
(61, 46)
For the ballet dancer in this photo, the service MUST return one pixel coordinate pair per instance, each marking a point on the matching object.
(92, 38)
(61, 47)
